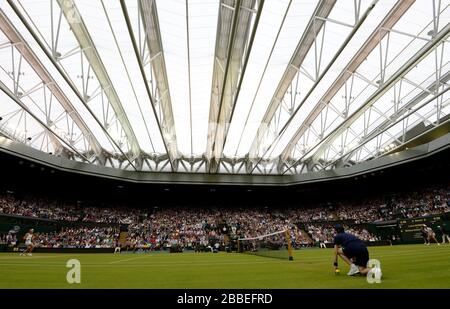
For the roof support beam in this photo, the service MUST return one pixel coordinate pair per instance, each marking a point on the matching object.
(313, 28)
(57, 141)
(51, 56)
(166, 125)
(231, 55)
(81, 33)
(403, 113)
(409, 65)
(377, 35)
(358, 22)
(219, 145)
(11, 33)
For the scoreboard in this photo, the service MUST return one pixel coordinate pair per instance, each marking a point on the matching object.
(410, 228)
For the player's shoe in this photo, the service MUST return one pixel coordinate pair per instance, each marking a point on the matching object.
(353, 270)
(29, 254)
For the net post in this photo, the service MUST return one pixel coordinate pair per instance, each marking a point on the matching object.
(289, 247)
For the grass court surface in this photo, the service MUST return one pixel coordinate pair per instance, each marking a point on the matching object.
(403, 266)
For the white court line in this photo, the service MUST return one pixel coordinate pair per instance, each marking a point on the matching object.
(146, 264)
(129, 259)
(244, 259)
(193, 263)
(20, 257)
(184, 263)
(386, 254)
(420, 253)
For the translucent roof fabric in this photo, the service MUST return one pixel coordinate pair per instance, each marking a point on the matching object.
(223, 86)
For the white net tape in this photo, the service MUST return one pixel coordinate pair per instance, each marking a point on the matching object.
(263, 236)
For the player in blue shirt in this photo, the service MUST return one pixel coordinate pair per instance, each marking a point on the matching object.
(352, 250)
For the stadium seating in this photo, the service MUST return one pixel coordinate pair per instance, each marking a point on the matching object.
(195, 228)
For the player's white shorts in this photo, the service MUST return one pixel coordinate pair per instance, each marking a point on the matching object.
(28, 243)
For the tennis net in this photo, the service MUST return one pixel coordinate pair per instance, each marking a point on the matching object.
(274, 245)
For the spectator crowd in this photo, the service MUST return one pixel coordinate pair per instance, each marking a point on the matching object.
(154, 228)
(81, 237)
(325, 233)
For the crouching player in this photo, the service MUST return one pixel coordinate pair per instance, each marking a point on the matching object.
(352, 250)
